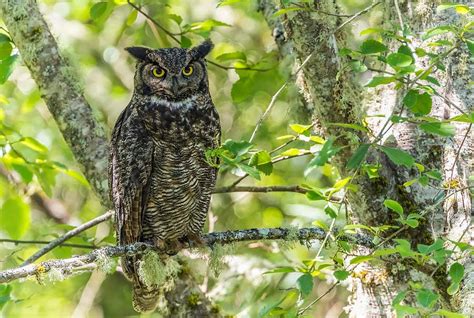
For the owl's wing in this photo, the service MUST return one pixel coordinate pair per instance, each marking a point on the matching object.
(130, 164)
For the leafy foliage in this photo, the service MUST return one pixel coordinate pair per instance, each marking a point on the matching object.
(286, 151)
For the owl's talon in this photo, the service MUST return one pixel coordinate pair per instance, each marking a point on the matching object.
(173, 247)
(159, 244)
(195, 240)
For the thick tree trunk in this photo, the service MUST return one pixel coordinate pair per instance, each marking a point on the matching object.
(335, 97)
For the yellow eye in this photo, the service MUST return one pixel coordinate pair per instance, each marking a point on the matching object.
(188, 70)
(158, 72)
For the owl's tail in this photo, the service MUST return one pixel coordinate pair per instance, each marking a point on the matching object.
(144, 298)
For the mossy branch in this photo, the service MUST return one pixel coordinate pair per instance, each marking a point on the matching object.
(79, 263)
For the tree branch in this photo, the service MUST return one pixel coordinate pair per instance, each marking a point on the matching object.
(68, 235)
(59, 89)
(77, 263)
(46, 242)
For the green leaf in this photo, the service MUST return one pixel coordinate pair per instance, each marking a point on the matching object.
(262, 161)
(5, 50)
(185, 42)
(251, 171)
(286, 10)
(330, 210)
(470, 46)
(47, 179)
(358, 66)
(238, 148)
(33, 144)
(98, 10)
(400, 296)
(434, 174)
(404, 311)
(232, 57)
(132, 17)
(305, 284)
(5, 291)
(426, 298)
(23, 170)
(399, 60)
(464, 118)
(404, 248)
(380, 80)
(439, 128)
(300, 129)
(394, 206)
(15, 218)
(78, 176)
(175, 17)
(315, 195)
(410, 182)
(205, 27)
(411, 223)
(361, 259)
(419, 104)
(437, 31)
(291, 152)
(351, 126)
(460, 8)
(341, 274)
(456, 272)
(327, 151)
(358, 156)
(371, 31)
(6, 67)
(372, 46)
(398, 156)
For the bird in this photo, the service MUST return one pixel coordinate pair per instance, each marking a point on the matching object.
(160, 181)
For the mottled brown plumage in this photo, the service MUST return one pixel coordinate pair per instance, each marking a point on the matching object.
(159, 179)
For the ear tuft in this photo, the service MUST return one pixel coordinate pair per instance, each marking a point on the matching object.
(201, 50)
(138, 52)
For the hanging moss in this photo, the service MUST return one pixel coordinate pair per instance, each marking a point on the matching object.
(216, 257)
(154, 271)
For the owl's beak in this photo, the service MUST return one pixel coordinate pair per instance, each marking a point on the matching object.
(175, 88)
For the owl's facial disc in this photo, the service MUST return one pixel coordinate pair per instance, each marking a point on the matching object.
(173, 83)
(173, 73)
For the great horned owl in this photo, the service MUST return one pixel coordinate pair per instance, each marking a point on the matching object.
(160, 182)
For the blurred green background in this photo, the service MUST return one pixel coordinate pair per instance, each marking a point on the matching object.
(94, 41)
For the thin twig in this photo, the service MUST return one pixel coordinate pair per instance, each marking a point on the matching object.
(46, 242)
(318, 299)
(68, 235)
(238, 68)
(162, 28)
(459, 149)
(356, 15)
(291, 188)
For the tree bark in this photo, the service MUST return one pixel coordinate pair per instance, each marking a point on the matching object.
(334, 95)
(60, 89)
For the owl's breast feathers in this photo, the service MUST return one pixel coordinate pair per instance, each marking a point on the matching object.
(194, 119)
(160, 182)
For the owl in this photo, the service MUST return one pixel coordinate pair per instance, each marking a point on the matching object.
(160, 182)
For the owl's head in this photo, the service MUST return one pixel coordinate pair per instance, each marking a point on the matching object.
(171, 73)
